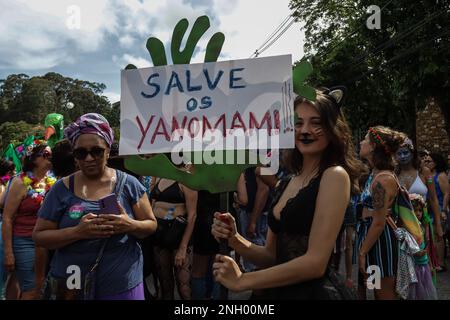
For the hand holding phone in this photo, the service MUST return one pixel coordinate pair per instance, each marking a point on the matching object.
(109, 205)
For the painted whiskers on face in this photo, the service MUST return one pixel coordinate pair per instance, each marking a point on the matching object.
(318, 131)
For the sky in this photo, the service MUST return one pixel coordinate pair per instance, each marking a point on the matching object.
(94, 39)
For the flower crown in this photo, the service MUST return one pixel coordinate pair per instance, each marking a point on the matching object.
(375, 134)
(417, 198)
(408, 143)
(29, 149)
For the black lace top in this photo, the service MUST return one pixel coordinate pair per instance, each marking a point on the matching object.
(292, 232)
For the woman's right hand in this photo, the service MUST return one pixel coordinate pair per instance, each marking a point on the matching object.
(92, 226)
(9, 261)
(224, 226)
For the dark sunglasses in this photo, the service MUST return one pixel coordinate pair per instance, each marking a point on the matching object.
(45, 154)
(82, 153)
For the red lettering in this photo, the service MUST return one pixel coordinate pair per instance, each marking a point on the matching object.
(254, 123)
(207, 124)
(236, 118)
(157, 132)
(175, 125)
(143, 132)
(276, 115)
(197, 127)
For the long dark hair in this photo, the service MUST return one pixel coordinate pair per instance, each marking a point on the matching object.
(28, 160)
(63, 162)
(340, 150)
(383, 153)
(6, 166)
(439, 160)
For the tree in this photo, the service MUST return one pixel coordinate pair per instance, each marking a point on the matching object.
(391, 72)
(10, 93)
(30, 99)
(15, 132)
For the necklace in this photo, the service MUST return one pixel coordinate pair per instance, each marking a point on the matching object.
(36, 189)
(308, 177)
(406, 180)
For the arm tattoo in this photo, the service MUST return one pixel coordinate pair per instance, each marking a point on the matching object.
(378, 195)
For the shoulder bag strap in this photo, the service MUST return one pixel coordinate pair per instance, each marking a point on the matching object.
(121, 178)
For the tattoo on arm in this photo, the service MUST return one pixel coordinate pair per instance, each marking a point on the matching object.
(378, 196)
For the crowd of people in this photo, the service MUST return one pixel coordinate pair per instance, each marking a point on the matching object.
(74, 210)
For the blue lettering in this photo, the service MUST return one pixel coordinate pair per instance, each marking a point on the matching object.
(157, 87)
(191, 105)
(232, 79)
(174, 82)
(188, 83)
(206, 102)
(212, 85)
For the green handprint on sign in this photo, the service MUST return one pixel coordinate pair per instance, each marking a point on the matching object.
(212, 177)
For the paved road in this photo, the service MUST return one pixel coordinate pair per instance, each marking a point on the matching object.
(443, 284)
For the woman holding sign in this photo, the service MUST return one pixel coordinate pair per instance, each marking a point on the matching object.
(306, 214)
(93, 219)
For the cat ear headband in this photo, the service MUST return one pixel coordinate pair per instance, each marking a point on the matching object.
(337, 94)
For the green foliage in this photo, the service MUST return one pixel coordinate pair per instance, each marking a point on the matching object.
(30, 99)
(391, 72)
(15, 132)
(25, 102)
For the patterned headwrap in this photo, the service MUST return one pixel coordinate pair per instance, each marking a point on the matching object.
(92, 123)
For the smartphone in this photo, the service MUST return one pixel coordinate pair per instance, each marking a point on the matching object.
(109, 204)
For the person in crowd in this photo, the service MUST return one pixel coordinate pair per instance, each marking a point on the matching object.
(422, 154)
(417, 179)
(306, 214)
(344, 243)
(424, 288)
(63, 162)
(91, 233)
(438, 166)
(7, 171)
(22, 255)
(147, 244)
(377, 244)
(252, 216)
(171, 201)
(361, 280)
(205, 246)
(447, 232)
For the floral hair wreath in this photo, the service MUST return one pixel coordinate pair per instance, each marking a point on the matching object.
(30, 148)
(375, 134)
(408, 143)
(417, 198)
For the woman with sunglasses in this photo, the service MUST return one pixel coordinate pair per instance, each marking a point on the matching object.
(25, 197)
(73, 222)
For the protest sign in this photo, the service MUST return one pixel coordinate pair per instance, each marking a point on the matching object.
(207, 103)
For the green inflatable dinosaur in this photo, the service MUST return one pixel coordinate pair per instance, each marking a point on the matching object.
(54, 125)
(214, 178)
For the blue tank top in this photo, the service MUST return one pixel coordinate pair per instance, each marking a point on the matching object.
(439, 193)
(366, 196)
